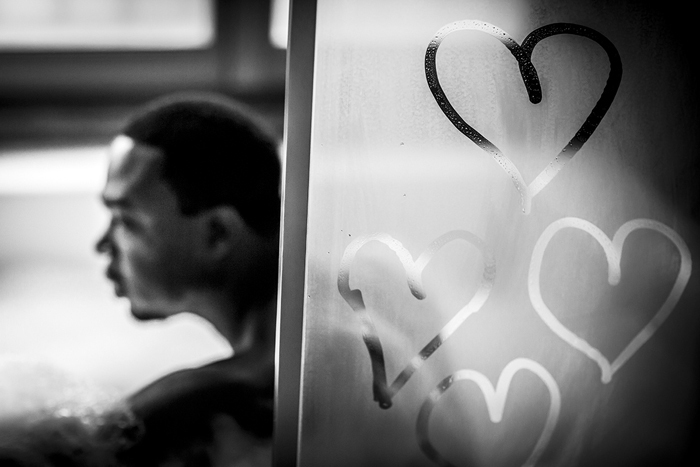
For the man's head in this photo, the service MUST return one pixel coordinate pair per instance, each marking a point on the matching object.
(193, 188)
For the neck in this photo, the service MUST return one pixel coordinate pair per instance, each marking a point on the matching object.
(252, 339)
(242, 306)
(245, 325)
(254, 332)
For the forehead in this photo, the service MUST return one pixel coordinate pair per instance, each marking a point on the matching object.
(134, 169)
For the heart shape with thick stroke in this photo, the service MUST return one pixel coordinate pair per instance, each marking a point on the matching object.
(495, 403)
(523, 54)
(613, 253)
(383, 393)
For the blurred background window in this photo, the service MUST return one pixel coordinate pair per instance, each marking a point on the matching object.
(106, 24)
(72, 72)
(279, 23)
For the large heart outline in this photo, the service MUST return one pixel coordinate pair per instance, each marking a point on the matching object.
(523, 54)
(613, 253)
(383, 393)
(495, 403)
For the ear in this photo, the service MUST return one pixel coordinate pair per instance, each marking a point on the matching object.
(224, 230)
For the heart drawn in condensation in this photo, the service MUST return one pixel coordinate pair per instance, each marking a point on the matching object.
(383, 393)
(495, 403)
(613, 253)
(523, 54)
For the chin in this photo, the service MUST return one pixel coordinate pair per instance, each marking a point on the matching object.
(142, 314)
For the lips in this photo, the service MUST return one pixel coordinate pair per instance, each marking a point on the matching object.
(115, 277)
(119, 290)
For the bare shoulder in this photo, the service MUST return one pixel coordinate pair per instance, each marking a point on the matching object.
(195, 410)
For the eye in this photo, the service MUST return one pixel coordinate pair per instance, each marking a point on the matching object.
(125, 221)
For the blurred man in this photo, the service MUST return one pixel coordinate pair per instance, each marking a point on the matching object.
(193, 190)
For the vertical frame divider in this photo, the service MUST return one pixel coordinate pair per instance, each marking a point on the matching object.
(295, 190)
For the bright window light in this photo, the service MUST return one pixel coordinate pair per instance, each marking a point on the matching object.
(279, 23)
(66, 170)
(105, 24)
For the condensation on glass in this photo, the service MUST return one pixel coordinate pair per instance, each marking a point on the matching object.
(500, 237)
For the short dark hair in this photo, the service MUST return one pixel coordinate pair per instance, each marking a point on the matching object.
(216, 153)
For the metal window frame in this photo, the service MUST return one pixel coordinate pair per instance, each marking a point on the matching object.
(292, 269)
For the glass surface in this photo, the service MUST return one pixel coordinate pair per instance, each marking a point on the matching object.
(523, 298)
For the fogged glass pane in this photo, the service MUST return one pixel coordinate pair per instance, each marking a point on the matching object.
(105, 24)
(499, 265)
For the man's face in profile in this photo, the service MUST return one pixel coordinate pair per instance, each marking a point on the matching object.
(150, 243)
